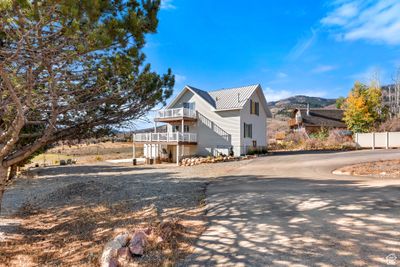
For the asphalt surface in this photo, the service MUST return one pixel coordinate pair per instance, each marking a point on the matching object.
(289, 209)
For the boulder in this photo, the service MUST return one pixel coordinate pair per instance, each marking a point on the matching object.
(113, 263)
(124, 256)
(111, 248)
(137, 243)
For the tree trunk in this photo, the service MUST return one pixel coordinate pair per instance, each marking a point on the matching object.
(3, 180)
(13, 172)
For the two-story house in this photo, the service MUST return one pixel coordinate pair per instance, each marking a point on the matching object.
(226, 121)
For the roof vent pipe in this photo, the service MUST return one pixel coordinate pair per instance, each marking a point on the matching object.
(308, 109)
(238, 97)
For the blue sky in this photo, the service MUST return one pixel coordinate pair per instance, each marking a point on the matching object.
(317, 48)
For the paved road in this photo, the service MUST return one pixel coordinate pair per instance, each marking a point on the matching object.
(290, 210)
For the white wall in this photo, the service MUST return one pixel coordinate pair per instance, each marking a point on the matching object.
(378, 140)
(259, 124)
(209, 138)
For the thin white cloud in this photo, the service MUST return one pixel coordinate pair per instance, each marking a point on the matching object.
(376, 21)
(281, 75)
(323, 68)
(179, 78)
(167, 4)
(302, 46)
(274, 95)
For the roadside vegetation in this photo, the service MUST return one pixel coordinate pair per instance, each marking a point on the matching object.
(321, 140)
(363, 109)
(383, 168)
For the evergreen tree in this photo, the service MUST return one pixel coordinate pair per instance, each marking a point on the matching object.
(68, 68)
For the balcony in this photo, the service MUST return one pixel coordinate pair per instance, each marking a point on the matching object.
(165, 137)
(175, 114)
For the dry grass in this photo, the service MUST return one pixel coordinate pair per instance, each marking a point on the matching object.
(299, 141)
(67, 214)
(75, 236)
(383, 168)
(84, 153)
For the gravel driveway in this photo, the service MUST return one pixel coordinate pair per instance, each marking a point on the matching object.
(290, 210)
(64, 215)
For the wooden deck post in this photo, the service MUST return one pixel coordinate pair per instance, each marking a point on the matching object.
(177, 154)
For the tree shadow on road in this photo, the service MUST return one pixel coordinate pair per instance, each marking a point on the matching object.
(287, 221)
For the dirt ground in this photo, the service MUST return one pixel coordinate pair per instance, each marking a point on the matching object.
(382, 168)
(84, 153)
(63, 216)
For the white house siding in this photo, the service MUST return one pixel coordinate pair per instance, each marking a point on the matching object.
(209, 123)
(259, 124)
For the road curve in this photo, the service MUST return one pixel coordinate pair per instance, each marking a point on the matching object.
(288, 209)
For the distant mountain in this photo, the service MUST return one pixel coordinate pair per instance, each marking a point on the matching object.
(281, 108)
(301, 101)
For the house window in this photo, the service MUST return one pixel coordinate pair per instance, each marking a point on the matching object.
(186, 128)
(248, 130)
(254, 107)
(188, 105)
(254, 143)
(175, 128)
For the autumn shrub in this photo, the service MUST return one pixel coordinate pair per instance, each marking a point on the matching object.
(391, 125)
(322, 134)
(295, 139)
(337, 140)
(312, 144)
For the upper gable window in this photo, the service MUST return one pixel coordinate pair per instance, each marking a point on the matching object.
(188, 105)
(254, 107)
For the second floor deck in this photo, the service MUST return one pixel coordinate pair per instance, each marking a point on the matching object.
(175, 114)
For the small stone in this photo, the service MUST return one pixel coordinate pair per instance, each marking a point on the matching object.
(137, 243)
(113, 263)
(111, 247)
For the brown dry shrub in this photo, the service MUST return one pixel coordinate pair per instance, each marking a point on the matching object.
(391, 125)
(312, 144)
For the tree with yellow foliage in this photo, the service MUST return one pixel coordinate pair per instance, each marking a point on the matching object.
(363, 108)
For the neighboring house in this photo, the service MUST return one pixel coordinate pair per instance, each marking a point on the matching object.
(391, 98)
(311, 120)
(208, 123)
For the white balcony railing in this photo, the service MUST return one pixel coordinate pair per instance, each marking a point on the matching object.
(176, 113)
(165, 137)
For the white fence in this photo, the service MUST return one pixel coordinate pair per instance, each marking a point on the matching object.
(378, 140)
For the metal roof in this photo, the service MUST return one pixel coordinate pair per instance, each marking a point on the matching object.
(322, 117)
(232, 98)
(204, 95)
(226, 99)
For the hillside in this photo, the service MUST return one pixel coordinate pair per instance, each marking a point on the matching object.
(281, 108)
(301, 101)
